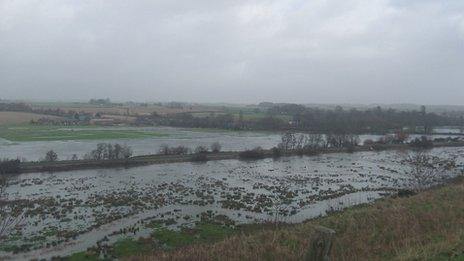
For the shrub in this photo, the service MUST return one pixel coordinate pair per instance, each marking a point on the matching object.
(397, 138)
(164, 149)
(349, 148)
(378, 147)
(201, 149)
(309, 150)
(8, 166)
(200, 154)
(423, 142)
(404, 193)
(105, 151)
(51, 156)
(216, 147)
(199, 157)
(179, 150)
(276, 152)
(426, 169)
(368, 142)
(256, 153)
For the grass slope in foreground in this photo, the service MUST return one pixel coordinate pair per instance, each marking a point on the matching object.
(20, 133)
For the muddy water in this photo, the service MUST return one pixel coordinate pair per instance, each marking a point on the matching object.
(71, 211)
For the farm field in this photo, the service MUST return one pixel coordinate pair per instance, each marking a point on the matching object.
(12, 117)
(247, 115)
(17, 133)
(121, 109)
(142, 140)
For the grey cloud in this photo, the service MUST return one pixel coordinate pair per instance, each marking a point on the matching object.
(233, 51)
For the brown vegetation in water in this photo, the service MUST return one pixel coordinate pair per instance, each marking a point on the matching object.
(428, 225)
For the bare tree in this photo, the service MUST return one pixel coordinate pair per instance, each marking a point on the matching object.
(8, 166)
(288, 141)
(10, 216)
(164, 149)
(99, 152)
(201, 149)
(51, 156)
(302, 143)
(108, 151)
(179, 150)
(315, 141)
(200, 154)
(426, 170)
(117, 151)
(216, 147)
(126, 152)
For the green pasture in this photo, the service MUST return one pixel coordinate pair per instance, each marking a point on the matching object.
(53, 133)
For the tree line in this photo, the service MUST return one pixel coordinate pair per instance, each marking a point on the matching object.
(103, 151)
(301, 118)
(9, 166)
(108, 151)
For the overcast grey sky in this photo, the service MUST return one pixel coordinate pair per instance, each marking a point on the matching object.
(306, 51)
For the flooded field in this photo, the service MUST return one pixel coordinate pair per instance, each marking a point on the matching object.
(68, 212)
(229, 140)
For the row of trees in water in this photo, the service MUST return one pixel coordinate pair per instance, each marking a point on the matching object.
(103, 151)
(183, 150)
(109, 151)
(304, 143)
(291, 142)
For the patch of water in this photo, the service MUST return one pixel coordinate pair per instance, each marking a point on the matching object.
(73, 210)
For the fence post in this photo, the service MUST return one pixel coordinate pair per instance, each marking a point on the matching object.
(320, 244)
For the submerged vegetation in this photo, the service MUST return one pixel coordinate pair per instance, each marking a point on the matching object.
(175, 198)
(8, 166)
(427, 226)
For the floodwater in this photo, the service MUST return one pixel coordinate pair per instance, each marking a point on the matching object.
(71, 211)
(229, 140)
